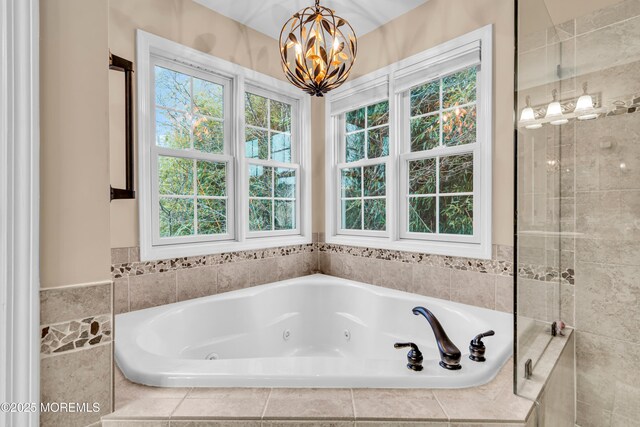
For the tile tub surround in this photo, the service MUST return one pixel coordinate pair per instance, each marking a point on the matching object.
(491, 403)
(485, 283)
(76, 351)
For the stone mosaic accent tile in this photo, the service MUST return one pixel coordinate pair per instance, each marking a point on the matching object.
(161, 266)
(75, 334)
(497, 267)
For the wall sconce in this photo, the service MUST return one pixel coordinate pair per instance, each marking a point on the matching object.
(528, 117)
(554, 111)
(584, 107)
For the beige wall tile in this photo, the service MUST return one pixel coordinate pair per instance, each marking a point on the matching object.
(395, 275)
(607, 300)
(504, 293)
(74, 302)
(121, 295)
(151, 290)
(473, 288)
(431, 281)
(332, 404)
(401, 424)
(303, 423)
(559, 393)
(362, 269)
(532, 298)
(607, 375)
(78, 376)
(592, 416)
(235, 275)
(119, 255)
(398, 404)
(265, 271)
(607, 16)
(197, 282)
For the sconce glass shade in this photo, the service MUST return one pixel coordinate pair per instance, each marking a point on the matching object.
(554, 114)
(584, 108)
(317, 49)
(528, 117)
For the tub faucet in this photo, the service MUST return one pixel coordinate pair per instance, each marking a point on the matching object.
(449, 354)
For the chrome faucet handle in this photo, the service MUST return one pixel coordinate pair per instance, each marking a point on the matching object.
(414, 357)
(477, 348)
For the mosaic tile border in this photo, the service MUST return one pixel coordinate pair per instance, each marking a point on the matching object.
(75, 334)
(495, 266)
(161, 266)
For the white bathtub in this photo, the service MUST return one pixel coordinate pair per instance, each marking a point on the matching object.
(313, 331)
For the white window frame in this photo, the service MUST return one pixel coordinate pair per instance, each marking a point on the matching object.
(152, 49)
(387, 83)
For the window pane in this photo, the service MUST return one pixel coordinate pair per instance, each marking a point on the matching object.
(280, 116)
(176, 217)
(172, 89)
(456, 215)
(456, 174)
(375, 214)
(212, 216)
(285, 218)
(260, 214)
(459, 88)
(255, 110)
(422, 176)
(208, 98)
(285, 183)
(355, 147)
(355, 120)
(172, 129)
(459, 126)
(378, 142)
(175, 176)
(208, 135)
(378, 114)
(425, 133)
(260, 181)
(211, 178)
(281, 147)
(352, 182)
(352, 214)
(425, 99)
(256, 143)
(422, 214)
(374, 180)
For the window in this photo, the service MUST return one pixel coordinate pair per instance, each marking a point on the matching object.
(223, 155)
(273, 177)
(410, 158)
(363, 174)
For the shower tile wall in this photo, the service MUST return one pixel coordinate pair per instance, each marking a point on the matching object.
(599, 214)
(76, 352)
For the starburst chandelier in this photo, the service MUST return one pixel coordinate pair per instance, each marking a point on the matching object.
(317, 49)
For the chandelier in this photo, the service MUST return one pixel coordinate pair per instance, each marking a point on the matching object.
(317, 49)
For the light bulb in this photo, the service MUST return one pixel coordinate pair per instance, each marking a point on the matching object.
(528, 117)
(584, 107)
(554, 112)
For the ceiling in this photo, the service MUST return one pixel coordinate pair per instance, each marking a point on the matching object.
(268, 16)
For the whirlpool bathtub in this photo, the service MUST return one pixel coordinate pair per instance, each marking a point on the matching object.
(313, 331)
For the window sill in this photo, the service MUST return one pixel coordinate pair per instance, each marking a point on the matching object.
(455, 249)
(158, 252)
